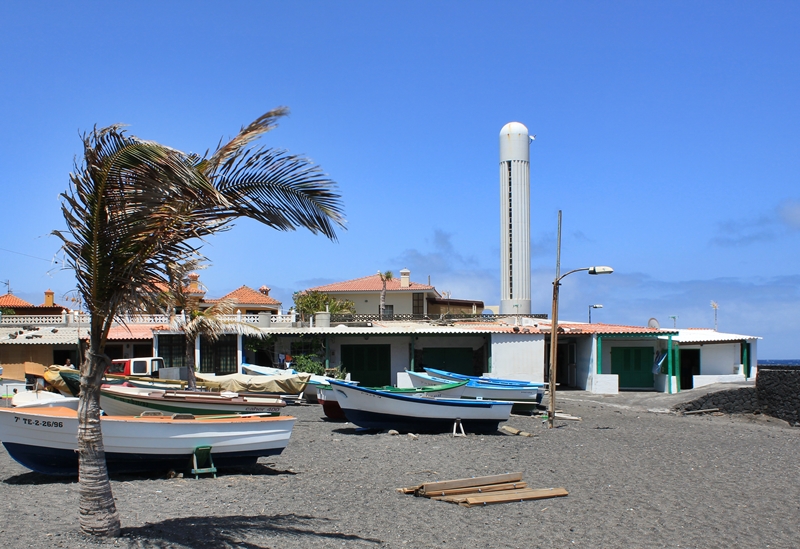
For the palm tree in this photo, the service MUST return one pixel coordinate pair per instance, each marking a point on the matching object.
(136, 207)
(384, 277)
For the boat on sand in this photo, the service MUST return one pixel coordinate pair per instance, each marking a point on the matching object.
(375, 409)
(117, 400)
(45, 439)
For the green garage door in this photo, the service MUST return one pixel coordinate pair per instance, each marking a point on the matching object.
(370, 365)
(451, 359)
(634, 366)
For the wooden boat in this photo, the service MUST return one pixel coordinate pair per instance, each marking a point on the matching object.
(45, 440)
(72, 380)
(524, 397)
(117, 400)
(374, 409)
(452, 376)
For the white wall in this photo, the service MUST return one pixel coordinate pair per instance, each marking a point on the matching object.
(718, 359)
(518, 356)
(586, 366)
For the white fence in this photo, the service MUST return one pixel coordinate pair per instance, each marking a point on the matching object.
(82, 319)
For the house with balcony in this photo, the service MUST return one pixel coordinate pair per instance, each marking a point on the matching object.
(404, 299)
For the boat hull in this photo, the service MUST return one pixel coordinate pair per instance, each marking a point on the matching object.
(130, 401)
(373, 409)
(326, 395)
(524, 397)
(45, 440)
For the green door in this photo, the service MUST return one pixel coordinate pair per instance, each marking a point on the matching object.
(451, 359)
(634, 366)
(370, 365)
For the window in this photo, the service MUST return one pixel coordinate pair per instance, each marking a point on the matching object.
(172, 348)
(139, 368)
(418, 303)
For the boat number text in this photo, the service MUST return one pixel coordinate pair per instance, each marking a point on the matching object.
(39, 422)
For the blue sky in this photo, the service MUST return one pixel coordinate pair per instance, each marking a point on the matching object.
(667, 133)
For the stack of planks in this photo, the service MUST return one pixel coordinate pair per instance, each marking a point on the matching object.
(470, 492)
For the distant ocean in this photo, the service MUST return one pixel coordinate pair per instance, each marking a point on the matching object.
(788, 362)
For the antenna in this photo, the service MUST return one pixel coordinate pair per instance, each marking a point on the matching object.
(653, 323)
(7, 284)
(715, 307)
(674, 320)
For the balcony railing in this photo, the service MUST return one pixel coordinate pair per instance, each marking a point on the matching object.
(82, 319)
(374, 317)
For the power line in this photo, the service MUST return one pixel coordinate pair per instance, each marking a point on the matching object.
(31, 256)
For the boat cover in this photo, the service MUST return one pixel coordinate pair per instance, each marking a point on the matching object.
(290, 384)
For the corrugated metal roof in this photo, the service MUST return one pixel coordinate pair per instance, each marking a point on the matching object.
(45, 335)
(705, 335)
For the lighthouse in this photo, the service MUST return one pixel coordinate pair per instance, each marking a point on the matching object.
(515, 220)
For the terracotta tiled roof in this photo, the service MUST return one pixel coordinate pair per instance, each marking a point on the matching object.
(372, 283)
(10, 300)
(132, 331)
(248, 296)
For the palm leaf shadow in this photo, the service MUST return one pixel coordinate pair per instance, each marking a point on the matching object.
(231, 531)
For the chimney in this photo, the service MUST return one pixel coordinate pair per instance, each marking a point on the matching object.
(48, 298)
(264, 290)
(194, 291)
(405, 278)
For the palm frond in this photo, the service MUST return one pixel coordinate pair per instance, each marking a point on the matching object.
(281, 190)
(262, 124)
(133, 207)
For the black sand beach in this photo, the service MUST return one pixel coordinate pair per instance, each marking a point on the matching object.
(636, 478)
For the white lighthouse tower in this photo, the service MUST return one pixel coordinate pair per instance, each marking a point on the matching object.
(515, 220)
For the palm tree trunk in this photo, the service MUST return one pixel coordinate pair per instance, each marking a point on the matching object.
(98, 512)
(191, 378)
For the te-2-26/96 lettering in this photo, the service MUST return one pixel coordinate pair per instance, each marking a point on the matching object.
(39, 423)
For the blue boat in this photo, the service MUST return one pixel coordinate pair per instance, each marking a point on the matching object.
(525, 396)
(452, 376)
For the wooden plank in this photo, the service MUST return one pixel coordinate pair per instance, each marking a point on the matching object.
(567, 417)
(465, 482)
(514, 495)
(477, 490)
(690, 412)
(510, 429)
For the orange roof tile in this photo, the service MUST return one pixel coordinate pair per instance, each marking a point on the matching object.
(10, 300)
(372, 283)
(132, 331)
(249, 296)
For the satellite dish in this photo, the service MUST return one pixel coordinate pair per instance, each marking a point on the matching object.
(653, 323)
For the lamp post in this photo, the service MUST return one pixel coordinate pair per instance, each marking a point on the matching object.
(590, 311)
(551, 412)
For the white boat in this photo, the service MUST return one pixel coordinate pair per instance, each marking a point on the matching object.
(374, 409)
(27, 399)
(117, 400)
(524, 397)
(255, 370)
(45, 440)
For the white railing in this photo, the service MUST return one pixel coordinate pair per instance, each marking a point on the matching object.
(82, 319)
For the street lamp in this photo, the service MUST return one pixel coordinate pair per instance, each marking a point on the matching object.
(590, 311)
(551, 413)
